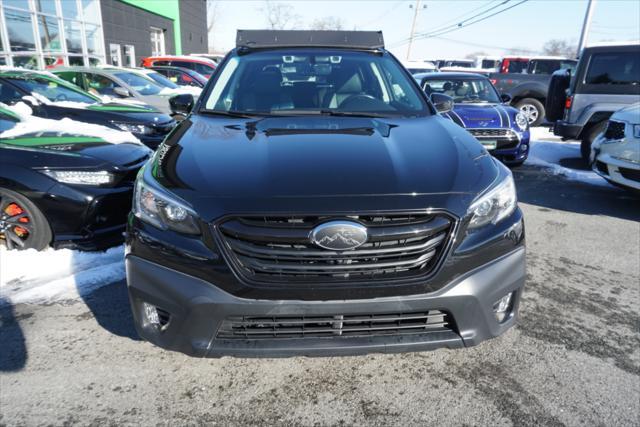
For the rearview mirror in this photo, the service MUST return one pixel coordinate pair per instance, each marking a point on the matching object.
(122, 92)
(181, 104)
(443, 103)
(506, 98)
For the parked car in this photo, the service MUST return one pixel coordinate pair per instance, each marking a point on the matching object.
(528, 89)
(480, 109)
(215, 57)
(182, 76)
(416, 67)
(55, 98)
(615, 153)
(162, 80)
(606, 79)
(201, 65)
(63, 188)
(119, 83)
(513, 65)
(338, 213)
(489, 64)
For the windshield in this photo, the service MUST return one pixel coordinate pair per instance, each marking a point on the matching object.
(51, 89)
(463, 90)
(161, 80)
(142, 85)
(314, 81)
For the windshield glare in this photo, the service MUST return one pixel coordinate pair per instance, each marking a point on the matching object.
(463, 90)
(52, 90)
(6, 122)
(142, 85)
(161, 80)
(308, 81)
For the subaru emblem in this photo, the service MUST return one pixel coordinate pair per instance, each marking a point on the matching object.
(339, 235)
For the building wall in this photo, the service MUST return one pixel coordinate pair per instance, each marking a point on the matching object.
(125, 24)
(193, 25)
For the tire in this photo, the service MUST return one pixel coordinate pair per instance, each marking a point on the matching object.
(22, 224)
(532, 109)
(587, 140)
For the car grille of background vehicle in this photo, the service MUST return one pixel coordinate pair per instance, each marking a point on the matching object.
(278, 249)
(505, 138)
(615, 130)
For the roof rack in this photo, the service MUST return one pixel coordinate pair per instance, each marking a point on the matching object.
(257, 39)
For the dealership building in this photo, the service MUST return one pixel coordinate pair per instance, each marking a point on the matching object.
(47, 33)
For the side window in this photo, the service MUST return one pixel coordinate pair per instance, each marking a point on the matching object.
(100, 85)
(8, 94)
(71, 77)
(185, 79)
(183, 64)
(161, 63)
(621, 68)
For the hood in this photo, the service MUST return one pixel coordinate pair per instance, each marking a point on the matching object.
(319, 158)
(630, 114)
(104, 114)
(481, 115)
(68, 150)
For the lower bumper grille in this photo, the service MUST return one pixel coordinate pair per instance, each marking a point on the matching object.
(505, 138)
(602, 167)
(276, 327)
(279, 250)
(631, 174)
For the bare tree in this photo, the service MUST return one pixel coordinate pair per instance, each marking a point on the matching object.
(280, 16)
(327, 23)
(558, 47)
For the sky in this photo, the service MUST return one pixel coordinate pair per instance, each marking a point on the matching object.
(526, 26)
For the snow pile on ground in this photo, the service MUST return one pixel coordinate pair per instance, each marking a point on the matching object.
(547, 150)
(31, 124)
(57, 275)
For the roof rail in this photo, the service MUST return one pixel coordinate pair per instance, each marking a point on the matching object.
(257, 39)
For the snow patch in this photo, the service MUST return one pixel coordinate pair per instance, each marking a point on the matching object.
(30, 124)
(60, 275)
(547, 151)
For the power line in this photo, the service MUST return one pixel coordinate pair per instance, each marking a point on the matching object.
(458, 24)
(461, 26)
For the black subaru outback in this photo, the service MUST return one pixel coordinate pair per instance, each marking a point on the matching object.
(315, 202)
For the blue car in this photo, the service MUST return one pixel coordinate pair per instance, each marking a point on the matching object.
(479, 108)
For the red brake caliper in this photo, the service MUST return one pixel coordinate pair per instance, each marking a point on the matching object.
(12, 210)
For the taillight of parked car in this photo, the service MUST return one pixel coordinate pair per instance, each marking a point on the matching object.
(567, 102)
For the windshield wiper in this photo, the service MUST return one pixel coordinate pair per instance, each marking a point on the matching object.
(325, 112)
(232, 113)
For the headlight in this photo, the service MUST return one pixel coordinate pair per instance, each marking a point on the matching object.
(133, 128)
(636, 131)
(162, 211)
(81, 177)
(522, 121)
(494, 206)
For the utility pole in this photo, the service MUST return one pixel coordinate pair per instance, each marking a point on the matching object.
(413, 28)
(586, 26)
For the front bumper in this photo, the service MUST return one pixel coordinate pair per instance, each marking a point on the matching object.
(198, 308)
(566, 130)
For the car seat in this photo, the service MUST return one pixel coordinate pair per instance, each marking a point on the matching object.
(265, 93)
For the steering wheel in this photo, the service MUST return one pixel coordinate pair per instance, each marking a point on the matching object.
(61, 97)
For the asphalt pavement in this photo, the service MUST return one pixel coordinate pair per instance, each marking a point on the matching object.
(573, 359)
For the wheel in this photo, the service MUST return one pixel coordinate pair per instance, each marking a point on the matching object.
(22, 224)
(589, 137)
(532, 109)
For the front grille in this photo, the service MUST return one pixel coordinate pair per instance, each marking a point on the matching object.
(602, 167)
(279, 250)
(631, 174)
(352, 325)
(505, 138)
(615, 130)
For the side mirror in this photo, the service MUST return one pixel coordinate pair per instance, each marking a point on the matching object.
(443, 103)
(506, 98)
(181, 104)
(122, 92)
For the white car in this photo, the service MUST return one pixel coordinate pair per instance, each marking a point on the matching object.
(615, 154)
